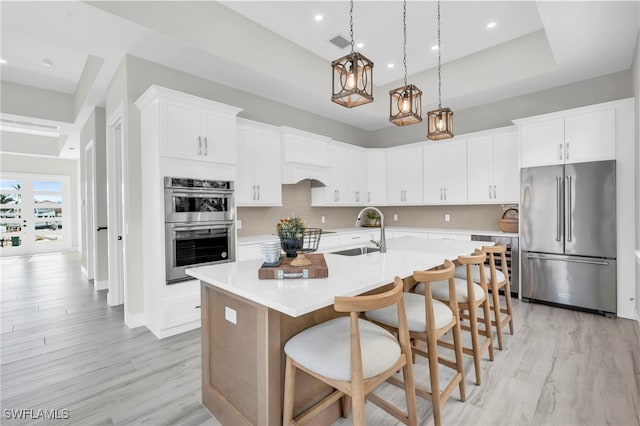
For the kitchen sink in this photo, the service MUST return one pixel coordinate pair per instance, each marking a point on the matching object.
(357, 251)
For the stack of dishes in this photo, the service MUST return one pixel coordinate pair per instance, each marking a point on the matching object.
(271, 251)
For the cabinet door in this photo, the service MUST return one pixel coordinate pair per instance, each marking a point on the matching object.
(590, 137)
(376, 177)
(219, 136)
(268, 171)
(245, 180)
(543, 143)
(506, 172)
(356, 174)
(480, 169)
(404, 176)
(433, 172)
(183, 126)
(336, 190)
(455, 186)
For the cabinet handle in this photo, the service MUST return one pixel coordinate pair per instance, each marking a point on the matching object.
(567, 151)
(368, 196)
(441, 197)
(357, 196)
(560, 152)
(258, 192)
(494, 192)
(445, 193)
(199, 145)
(254, 192)
(489, 191)
(206, 146)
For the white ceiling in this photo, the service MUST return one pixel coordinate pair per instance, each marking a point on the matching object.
(277, 50)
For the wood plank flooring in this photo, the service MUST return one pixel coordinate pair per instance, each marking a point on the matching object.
(62, 347)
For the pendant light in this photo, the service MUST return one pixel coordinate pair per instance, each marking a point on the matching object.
(405, 103)
(440, 121)
(352, 83)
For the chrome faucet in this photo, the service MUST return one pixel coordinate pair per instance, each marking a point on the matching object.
(382, 244)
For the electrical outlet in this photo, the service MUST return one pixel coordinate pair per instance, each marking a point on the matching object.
(238, 224)
(230, 315)
(322, 219)
(447, 217)
(395, 217)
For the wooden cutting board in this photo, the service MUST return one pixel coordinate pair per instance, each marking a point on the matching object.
(317, 269)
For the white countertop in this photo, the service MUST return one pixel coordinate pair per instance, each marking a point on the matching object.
(348, 275)
(254, 239)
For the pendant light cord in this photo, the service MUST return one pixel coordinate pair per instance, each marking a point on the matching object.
(439, 63)
(351, 24)
(404, 45)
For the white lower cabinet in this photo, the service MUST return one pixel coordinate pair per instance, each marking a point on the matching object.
(182, 310)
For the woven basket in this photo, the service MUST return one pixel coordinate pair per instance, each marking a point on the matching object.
(509, 221)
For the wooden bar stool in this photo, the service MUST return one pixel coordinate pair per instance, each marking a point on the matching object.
(353, 356)
(499, 280)
(428, 321)
(471, 297)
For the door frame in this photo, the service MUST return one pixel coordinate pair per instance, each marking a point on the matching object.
(89, 208)
(117, 294)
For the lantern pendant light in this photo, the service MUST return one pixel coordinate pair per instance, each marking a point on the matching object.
(440, 121)
(352, 83)
(405, 103)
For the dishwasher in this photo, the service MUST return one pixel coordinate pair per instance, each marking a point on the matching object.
(513, 260)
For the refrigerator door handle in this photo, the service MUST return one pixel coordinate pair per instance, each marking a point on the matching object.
(558, 208)
(567, 259)
(570, 208)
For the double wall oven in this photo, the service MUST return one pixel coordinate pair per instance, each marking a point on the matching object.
(199, 224)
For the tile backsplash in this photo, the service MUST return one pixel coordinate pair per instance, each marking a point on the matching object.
(296, 201)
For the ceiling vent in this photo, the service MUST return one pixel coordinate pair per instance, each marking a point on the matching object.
(28, 127)
(340, 42)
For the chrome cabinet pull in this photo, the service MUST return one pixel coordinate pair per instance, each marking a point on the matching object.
(199, 145)
(489, 191)
(258, 192)
(560, 152)
(494, 192)
(440, 193)
(445, 193)
(254, 192)
(567, 150)
(368, 196)
(206, 146)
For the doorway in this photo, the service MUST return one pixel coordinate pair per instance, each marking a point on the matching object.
(35, 213)
(89, 208)
(116, 208)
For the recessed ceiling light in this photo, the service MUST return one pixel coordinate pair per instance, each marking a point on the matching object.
(491, 25)
(318, 17)
(390, 65)
(434, 47)
(360, 45)
(47, 62)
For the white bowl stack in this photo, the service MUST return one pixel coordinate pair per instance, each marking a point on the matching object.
(271, 251)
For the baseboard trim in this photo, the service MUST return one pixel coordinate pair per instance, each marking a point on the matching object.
(134, 320)
(101, 284)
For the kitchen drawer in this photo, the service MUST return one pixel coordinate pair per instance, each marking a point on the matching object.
(353, 238)
(409, 234)
(181, 310)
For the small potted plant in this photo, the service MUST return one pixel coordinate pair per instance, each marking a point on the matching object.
(373, 218)
(291, 233)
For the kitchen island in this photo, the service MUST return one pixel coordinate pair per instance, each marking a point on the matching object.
(246, 321)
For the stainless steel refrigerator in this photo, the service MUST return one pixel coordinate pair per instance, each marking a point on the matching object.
(568, 235)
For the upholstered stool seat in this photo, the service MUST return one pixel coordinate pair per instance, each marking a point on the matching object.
(475, 273)
(416, 313)
(440, 290)
(325, 349)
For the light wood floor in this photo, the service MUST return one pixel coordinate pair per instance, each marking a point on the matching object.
(62, 347)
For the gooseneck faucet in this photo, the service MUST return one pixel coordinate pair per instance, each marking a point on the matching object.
(382, 244)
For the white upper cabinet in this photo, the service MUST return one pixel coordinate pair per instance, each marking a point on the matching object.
(445, 171)
(347, 181)
(585, 134)
(304, 156)
(259, 181)
(493, 172)
(197, 129)
(376, 177)
(404, 175)
(356, 176)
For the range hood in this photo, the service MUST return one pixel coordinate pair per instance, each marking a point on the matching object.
(293, 173)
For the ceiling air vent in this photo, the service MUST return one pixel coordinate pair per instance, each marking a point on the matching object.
(340, 41)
